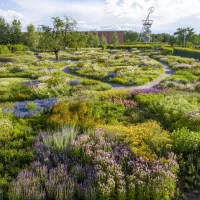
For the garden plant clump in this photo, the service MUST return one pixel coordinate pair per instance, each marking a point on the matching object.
(92, 167)
(120, 68)
(186, 77)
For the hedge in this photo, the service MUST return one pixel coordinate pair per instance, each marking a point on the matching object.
(167, 51)
(139, 46)
(185, 52)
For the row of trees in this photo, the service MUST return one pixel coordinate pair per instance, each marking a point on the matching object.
(185, 37)
(63, 33)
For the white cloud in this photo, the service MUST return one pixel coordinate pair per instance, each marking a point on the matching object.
(10, 15)
(166, 11)
(115, 14)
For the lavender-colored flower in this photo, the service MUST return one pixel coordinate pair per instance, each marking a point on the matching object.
(147, 91)
(21, 109)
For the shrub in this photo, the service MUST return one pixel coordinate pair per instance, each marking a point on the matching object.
(119, 80)
(173, 109)
(148, 139)
(17, 47)
(87, 113)
(8, 59)
(95, 167)
(31, 106)
(4, 49)
(185, 141)
(167, 51)
(113, 94)
(147, 91)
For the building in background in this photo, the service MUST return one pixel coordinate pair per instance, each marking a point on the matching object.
(108, 35)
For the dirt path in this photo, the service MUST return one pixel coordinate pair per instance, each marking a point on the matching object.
(168, 71)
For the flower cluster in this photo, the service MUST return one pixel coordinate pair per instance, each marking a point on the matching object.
(92, 167)
(74, 82)
(147, 91)
(127, 103)
(21, 109)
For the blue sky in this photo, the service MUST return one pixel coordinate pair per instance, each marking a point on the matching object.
(106, 14)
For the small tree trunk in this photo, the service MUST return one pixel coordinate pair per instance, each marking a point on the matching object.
(56, 54)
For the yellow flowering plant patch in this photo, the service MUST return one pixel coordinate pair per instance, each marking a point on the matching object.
(148, 139)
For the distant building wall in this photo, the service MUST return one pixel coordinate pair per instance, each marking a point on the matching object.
(108, 35)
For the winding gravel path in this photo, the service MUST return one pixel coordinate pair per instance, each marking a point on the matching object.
(168, 71)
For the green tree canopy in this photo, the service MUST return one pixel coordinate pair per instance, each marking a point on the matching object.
(103, 41)
(31, 37)
(15, 32)
(184, 35)
(131, 36)
(115, 39)
(56, 38)
(4, 31)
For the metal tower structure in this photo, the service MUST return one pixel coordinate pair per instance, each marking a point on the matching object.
(145, 34)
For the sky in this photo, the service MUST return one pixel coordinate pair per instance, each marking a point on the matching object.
(168, 15)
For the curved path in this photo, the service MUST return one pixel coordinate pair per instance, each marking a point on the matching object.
(168, 71)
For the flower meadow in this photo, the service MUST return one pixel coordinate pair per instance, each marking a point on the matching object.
(68, 137)
(93, 167)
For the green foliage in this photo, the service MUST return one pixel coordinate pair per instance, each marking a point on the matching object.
(18, 47)
(31, 37)
(115, 39)
(55, 38)
(103, 42)
(87, 113)
(4, 49)
(184, 35)
(8, 59)
(119, 80)
(107, 95)
(167, 51)
(172, 109)
(131, 36)
(185, 141)
(31, 106)
(76, 40)
(189, 53)
(93, 40)
(60, 141)
(15, 32)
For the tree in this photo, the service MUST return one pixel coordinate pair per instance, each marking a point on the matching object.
(172, 41)
(56, 38)
(15, 32)
(31, 37)
(93, 40)
(131, 36)
(77, 39)
(4, 31)
(184, 35)
(115, 39)
(103, 42)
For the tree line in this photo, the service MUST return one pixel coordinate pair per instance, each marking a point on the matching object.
(185, 37)
(61, 34)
